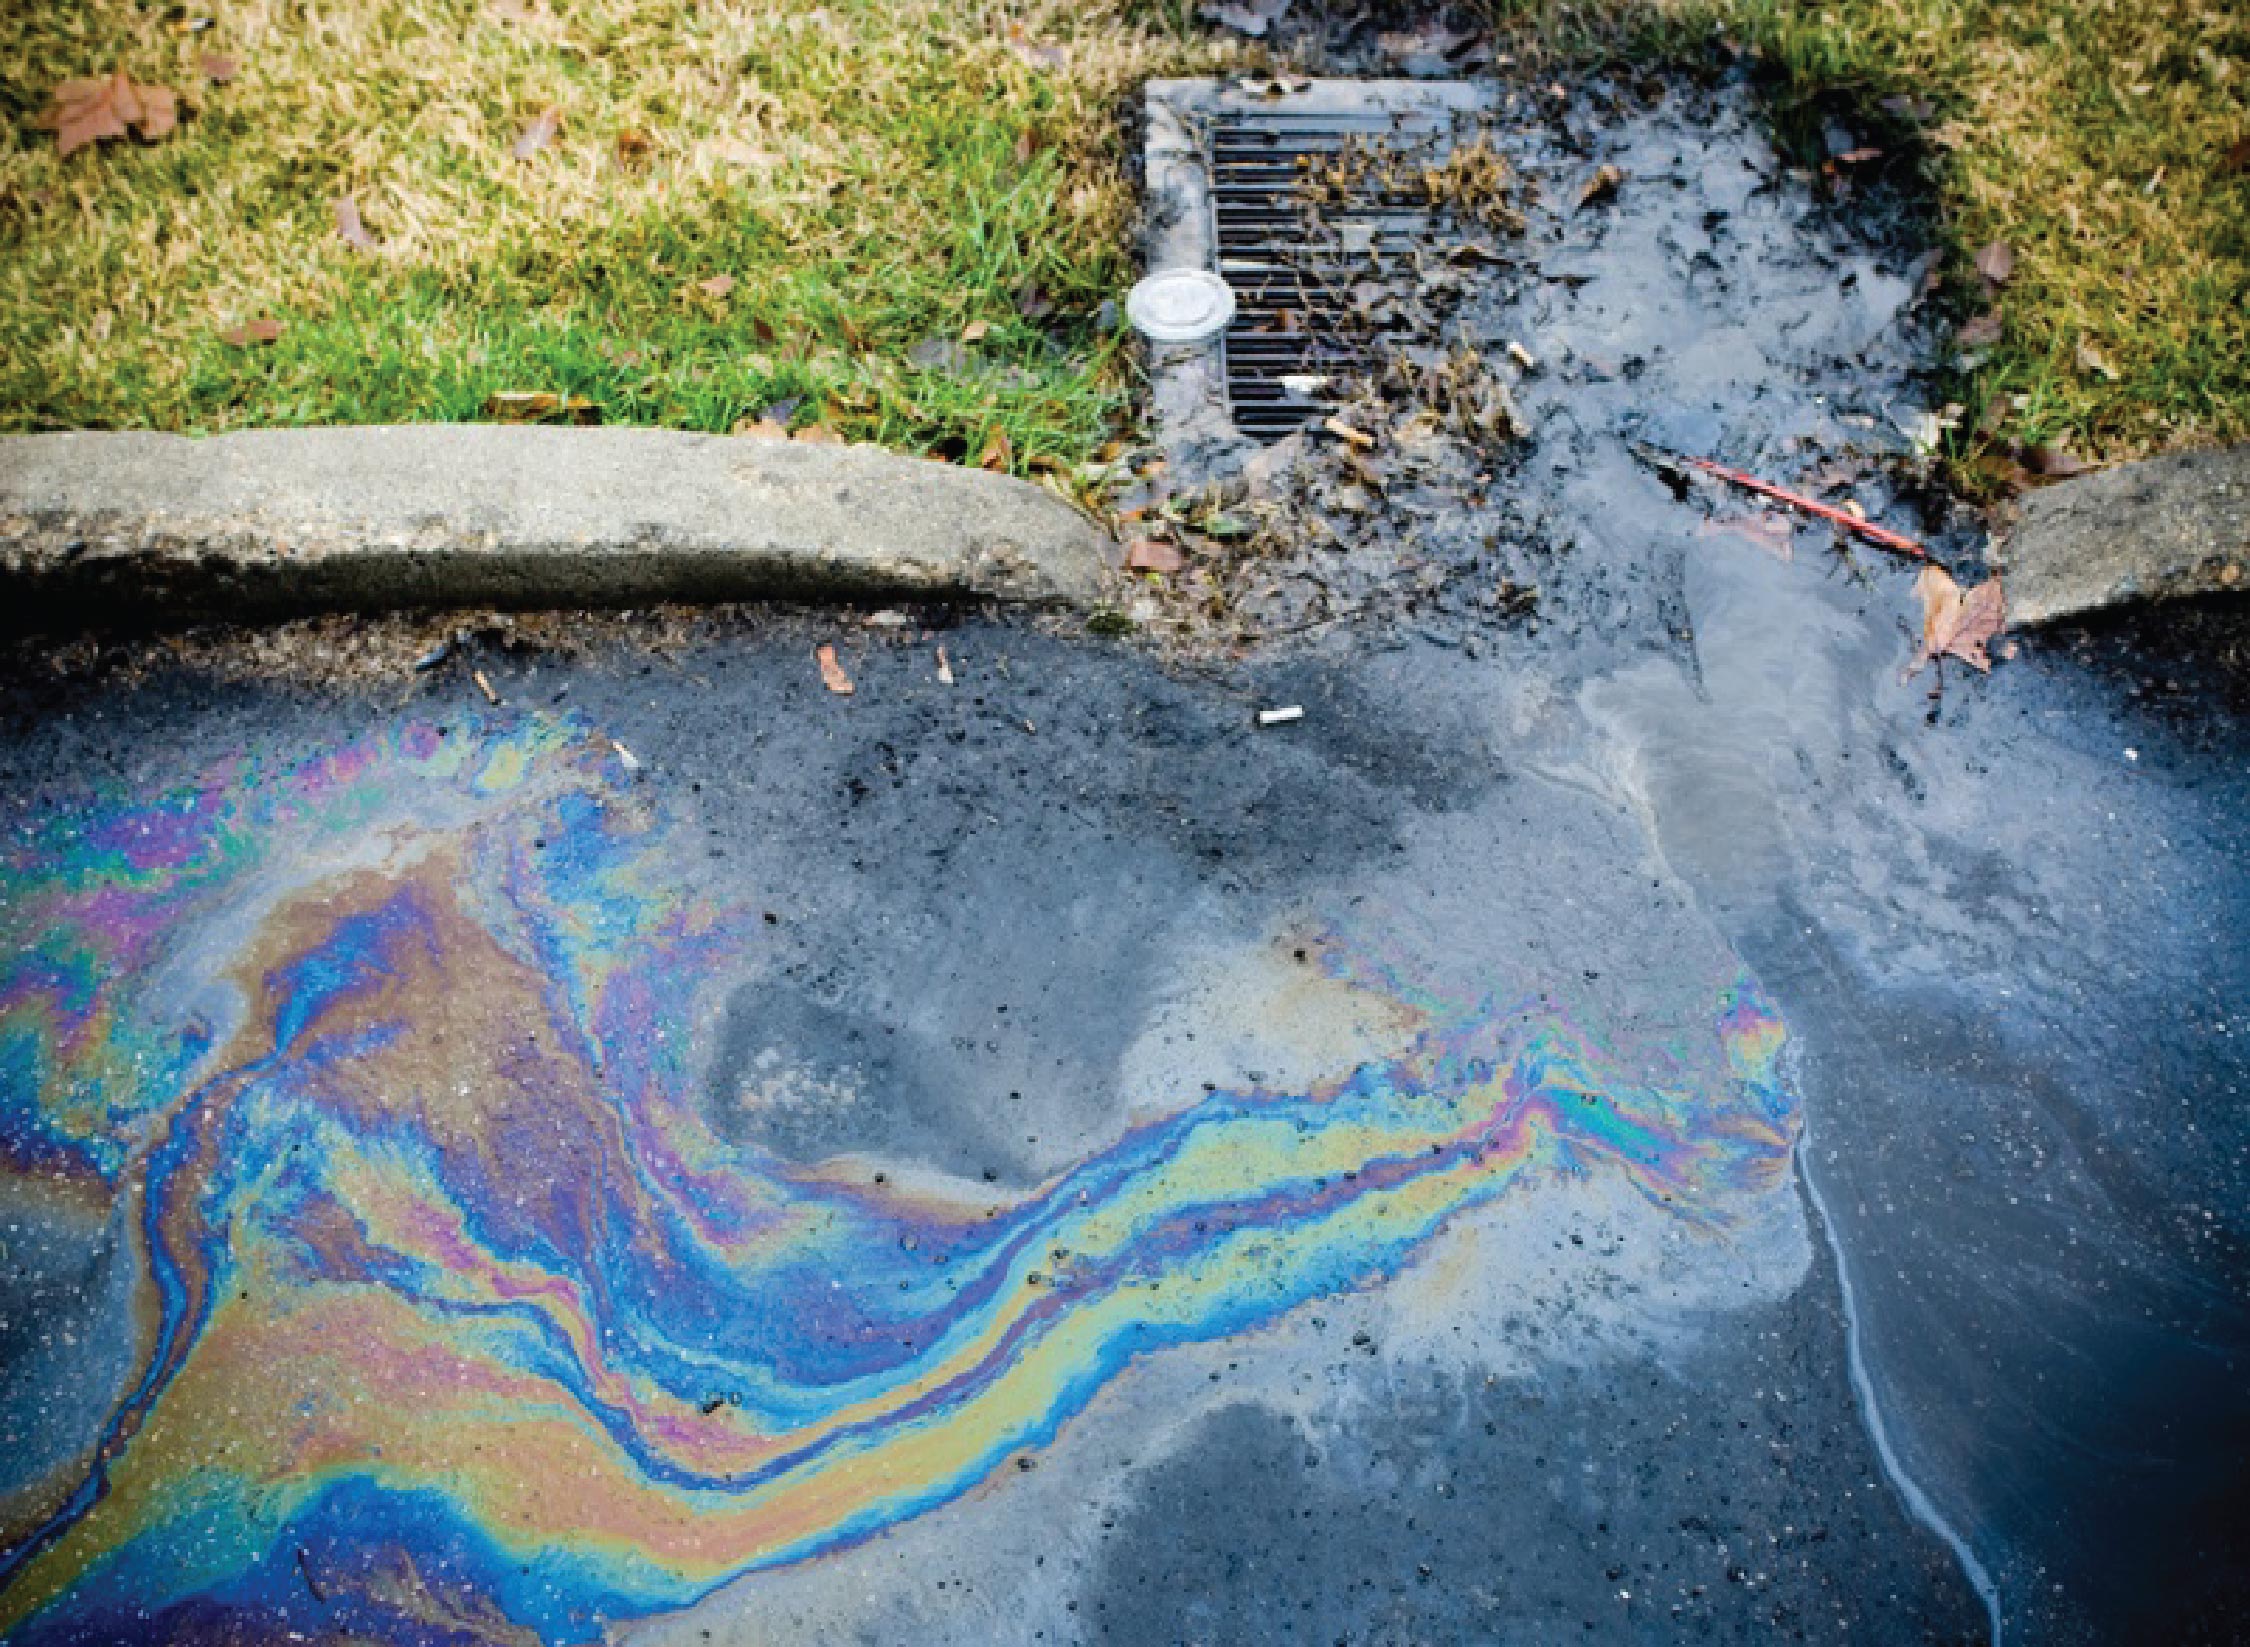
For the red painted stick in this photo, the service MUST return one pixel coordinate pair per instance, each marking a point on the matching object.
(1811, 506)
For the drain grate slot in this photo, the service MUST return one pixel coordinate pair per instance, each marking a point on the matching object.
(1287, 270)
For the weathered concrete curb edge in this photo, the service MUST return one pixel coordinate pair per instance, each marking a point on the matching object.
(2165, 527)
(269, 522)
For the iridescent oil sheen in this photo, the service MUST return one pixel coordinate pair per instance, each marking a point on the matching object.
(450, 1314)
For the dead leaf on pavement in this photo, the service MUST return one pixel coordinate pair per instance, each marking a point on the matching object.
(348, 225)
(1601, 186)
(1957, 624)
(832, 673)
(540, 406)
(1251, 17)
(539, 133)
(1997, 263)
(1776, 536)
(80, 112)
(1153, 555)
(218, 67)
(264, 330)
(999, 452)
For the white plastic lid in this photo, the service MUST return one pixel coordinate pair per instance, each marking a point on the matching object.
(1180, 306)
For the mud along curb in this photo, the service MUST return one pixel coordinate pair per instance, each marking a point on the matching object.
(146, 527)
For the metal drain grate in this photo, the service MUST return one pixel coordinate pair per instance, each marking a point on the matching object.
(1225, 164)
(1289, 322)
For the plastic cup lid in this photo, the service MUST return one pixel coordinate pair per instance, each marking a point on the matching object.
(1180, 306)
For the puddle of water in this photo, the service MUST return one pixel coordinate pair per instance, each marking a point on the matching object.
(447, 1297)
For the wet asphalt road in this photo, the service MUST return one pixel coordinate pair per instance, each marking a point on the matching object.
(1650, 1128)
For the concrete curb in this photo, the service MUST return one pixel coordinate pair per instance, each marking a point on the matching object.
(273, 521)
(2177, 525)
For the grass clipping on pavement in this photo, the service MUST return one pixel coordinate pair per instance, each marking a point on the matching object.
(899, 220)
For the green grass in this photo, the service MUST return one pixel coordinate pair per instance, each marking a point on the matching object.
(876, 175)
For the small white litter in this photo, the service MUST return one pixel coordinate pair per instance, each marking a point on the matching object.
(1281, 717)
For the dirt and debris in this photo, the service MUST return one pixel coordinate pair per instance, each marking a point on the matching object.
(1471, 473)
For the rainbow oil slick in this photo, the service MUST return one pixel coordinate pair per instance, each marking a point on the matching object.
(446, 1312)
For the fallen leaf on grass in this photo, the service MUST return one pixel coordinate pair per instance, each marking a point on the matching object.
(2091, 359)
(264, 330)
(832, 673)
(2237, 158)
(633, 147)
(974, 332)
(817, 434)
(999, 452)
(760, 428)
(1153, 555)
(1997, 263)
(1037, 53)
(2056, 462)
(80, 112)
(717, 287)
(1979, 331)
(540, 406)
(1251, 17)
(218, 67)
(539, 133)
(1954, 623)
(1603, 185)
(348, 225)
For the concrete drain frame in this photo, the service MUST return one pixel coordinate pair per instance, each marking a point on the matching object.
(1223, 161)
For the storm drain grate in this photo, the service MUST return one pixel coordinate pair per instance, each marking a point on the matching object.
(1291, 322)
(1228, 164)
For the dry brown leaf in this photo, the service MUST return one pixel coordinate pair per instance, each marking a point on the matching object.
(2091, 359)
(832, 673)
(717, 287)
(264, 330)
(761, 428)
(1603, 185)
(1153, 555)
(540, 406)
(999, 452)
(974, 332)
(2056, 462)
(1957, 624)
(1997, 263)
(1979, 331)
(539, 133)
(218, 67)
(348, 225)
(2237, 158)
(818, 434)
(633, 147)
(80, 112)
(1037, 53)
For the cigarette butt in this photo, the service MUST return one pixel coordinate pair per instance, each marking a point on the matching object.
(631, 760)
(944, 669)
(1281, 717)
(485, 687)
